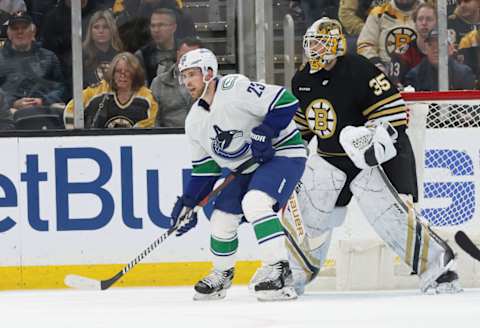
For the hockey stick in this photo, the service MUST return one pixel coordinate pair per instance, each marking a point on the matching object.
(80, 282)
(467, 245)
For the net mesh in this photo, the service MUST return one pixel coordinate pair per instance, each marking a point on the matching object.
(449, 192)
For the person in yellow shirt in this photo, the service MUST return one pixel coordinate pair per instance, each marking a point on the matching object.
(121, 100)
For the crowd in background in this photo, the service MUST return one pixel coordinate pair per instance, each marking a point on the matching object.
(131, 47)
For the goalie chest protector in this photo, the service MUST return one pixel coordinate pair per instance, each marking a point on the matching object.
(351, 93)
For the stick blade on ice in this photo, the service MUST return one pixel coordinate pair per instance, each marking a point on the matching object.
(79, 282)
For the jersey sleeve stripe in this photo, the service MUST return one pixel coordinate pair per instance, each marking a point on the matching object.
(384, 112)
(286, 100)
(274, 101)
(381, 103)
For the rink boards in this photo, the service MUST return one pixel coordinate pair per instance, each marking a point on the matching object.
(90, 204)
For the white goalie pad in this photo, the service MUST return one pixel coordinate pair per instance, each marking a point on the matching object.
(310, 216)
(397, 227)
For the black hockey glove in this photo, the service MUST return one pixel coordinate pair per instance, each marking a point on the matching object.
(262, 149)
(183, 206)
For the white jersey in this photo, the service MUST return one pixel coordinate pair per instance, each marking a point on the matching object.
(219, 134)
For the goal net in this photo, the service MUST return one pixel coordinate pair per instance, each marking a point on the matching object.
(444, 128)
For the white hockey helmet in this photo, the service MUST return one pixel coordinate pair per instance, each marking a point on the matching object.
(323, 42)
(200, 58)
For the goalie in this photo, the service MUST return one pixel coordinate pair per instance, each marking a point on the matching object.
(359, 119)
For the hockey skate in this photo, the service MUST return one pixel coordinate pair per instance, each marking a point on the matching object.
(441, 279)
(214, 286)
(275, 283)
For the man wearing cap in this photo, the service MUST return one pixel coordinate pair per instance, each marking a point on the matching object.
(424, 76)
(29, 75)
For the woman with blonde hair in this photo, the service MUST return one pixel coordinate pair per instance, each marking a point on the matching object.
(121, 100)
(101, 44)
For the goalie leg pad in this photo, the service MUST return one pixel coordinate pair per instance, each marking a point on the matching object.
(310, 218)
(398, 228)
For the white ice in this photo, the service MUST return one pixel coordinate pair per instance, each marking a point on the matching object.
(174, 307)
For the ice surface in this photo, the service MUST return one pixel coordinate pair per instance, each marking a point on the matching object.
(174, 307)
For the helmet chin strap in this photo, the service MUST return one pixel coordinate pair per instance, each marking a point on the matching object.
(206, 83)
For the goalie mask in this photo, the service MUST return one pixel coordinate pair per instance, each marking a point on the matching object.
(323, 42)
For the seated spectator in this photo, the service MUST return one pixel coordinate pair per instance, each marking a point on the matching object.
(158, 55)
(174, 100)
(101, 44)
(387, 32)
(57, 36)
(133, 20)
(469, 51)
(6, 121)
(30, 75)
(7, 8)
(120, 101)
(424, 76)
(353, 14)
(425, 19)
(465, 17)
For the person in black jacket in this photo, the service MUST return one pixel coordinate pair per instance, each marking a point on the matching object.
(6, 121)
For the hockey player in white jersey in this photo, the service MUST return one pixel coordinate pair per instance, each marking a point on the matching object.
(232, 120)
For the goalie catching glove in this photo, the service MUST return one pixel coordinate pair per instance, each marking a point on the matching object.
(369, 146)
(183, 210)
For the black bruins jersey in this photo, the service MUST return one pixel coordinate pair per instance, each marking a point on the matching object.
(103, 109)
(352, 93)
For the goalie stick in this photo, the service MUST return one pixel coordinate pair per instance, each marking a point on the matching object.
(467, 245)
(420, 219)
(80, 282)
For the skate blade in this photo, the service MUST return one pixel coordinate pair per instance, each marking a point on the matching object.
(284, 294)
(210, 297)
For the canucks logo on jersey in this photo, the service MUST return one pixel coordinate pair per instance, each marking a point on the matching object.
(223, 141)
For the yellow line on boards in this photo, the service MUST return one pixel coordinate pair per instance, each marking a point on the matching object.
(148, 274)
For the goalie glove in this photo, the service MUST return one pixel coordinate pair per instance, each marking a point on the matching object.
(368, 147)
(182, 212)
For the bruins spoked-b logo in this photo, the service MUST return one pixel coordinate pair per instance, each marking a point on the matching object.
(398, 40)
(321, 118)
(223, 140)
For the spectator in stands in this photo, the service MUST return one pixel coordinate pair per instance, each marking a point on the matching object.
(30, 75)
(174, 100)
(133, 20)
(57, 37)
(425, 19)
(315, 9)
(424, 76)
(465, 18)
(6, 121)
(120, 101)
(158, 55)
(12, 6)
(101, 44)
(37, 9)
(388, 29)
(7, 8)
(352, 14)
(469, 50)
